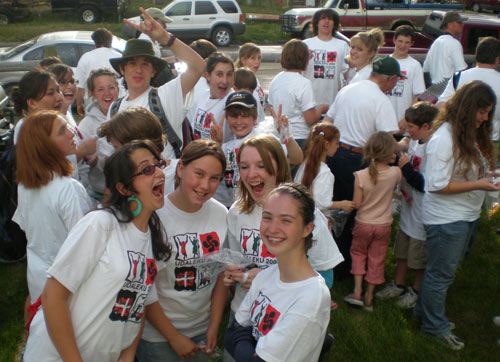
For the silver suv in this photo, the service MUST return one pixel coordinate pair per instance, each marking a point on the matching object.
(216, 20)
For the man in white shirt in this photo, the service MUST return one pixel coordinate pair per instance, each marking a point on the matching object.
(403, 95)
(487, 61)
(446, 55)
(94, 59)
(327, 56)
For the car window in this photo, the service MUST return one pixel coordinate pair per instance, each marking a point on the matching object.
(353, 4)
(86, 48)
(9, 53)
(228, 7)
(35, 54)
(476, 34)
(68, 53)
(204, 8)
(180, 9)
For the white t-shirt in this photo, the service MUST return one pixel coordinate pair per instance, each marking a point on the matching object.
(322, 186)
(260, 97)
(410, 220)
(445, 57)
(185, 282)
(289, 320)
(362, 74)
(295, 93)
(490, 77)
(326, 67)
(174, 105)
(47, 214)
(401, 96)
(360, 110)
(110, 270)
(94, 59)
(201, 91)
(439, 170)
(243, 235)
(207, 112)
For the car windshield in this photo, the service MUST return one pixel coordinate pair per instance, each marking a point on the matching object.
(9, 53)
(118, 44)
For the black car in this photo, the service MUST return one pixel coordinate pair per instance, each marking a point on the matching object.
(90, 11)
(11, 10)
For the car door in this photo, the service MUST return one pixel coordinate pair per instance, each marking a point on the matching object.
(205, 16)
(182, 18)
(67, 52)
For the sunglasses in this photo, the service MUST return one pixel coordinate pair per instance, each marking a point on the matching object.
(149, 170)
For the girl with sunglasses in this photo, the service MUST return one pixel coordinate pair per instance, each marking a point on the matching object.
(183, 324)
(103, 276)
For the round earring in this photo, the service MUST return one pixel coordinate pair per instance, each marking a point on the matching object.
(139, 205)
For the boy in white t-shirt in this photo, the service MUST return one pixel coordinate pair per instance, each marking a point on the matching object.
(403, 95)
(410, 247)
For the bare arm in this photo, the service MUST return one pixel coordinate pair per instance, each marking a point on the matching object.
(58, 320)
(456, 187)
(313, 115)
(128, 354)
(358, 194)
(218, 302)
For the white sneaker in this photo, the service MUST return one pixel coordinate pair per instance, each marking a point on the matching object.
(408, 300)
(496, 320)
(453, 342)
(391, 290)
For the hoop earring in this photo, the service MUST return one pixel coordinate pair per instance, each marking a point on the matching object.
(139, 205)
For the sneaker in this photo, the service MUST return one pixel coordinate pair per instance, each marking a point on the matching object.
(453, 342)
(451, 325)
(350, 299)
(407, 300)
(391, 290)
(496, 320)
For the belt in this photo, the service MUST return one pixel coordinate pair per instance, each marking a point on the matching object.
(351, 148)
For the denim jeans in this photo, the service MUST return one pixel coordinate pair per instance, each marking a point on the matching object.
(446, 245)
(163, 351)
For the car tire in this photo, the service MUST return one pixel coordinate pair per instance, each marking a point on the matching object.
(307, 32)
(476, 7)
(222, 36)
(5, 17)
(89, 14)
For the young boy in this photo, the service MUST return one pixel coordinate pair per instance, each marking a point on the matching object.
(410, 247)
(245, 79)
(241, 118)
(403, 95)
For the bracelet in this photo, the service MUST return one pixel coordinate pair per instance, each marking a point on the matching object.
(170, 40)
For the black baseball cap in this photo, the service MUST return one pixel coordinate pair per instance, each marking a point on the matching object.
(241, 98)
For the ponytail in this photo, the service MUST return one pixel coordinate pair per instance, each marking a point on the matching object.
(379, 148)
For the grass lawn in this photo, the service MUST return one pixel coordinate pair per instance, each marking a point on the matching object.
(387, 334)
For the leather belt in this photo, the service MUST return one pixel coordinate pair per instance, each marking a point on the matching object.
(351, 148)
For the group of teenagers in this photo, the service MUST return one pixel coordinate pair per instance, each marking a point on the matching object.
(125, 215)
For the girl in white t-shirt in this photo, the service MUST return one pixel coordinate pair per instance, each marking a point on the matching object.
(459, 155)
(184, 322)
(209, 107)
(364, 47)
(285, 314)
(50, 202)
(373, 189)
(314, 174)
(291, 90)
(250, 56)
(103, 276)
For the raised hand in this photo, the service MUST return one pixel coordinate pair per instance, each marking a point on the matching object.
(216, 130)
(150, 27)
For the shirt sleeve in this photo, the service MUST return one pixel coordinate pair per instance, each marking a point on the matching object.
(418, 80)
(323, 190)
(439, 164)
(73, 202)
(448, 91)
(306, 97)
(457, 57)
(171, 99)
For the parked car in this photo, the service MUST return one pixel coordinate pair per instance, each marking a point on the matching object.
(11, 10)
(90, 11)
(67, 45)
(215, 20)
(478, 5)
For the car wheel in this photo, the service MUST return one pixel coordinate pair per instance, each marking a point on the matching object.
(476, 7)
(5, 18)
(222, 36)
(89, 14)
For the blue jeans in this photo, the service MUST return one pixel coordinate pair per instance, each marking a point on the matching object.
(446, 245)
(163, 351)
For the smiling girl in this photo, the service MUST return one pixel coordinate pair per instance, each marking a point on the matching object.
(364, 47)
(183, 323)
(285, 314)
(50, 202)
(103, 276)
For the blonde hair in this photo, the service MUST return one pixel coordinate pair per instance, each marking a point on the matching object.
(372, 39)
(379, 148)
(246, 51)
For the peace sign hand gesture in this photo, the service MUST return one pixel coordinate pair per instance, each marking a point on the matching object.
(216, 130)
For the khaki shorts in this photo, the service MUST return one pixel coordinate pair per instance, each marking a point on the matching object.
(414, 250)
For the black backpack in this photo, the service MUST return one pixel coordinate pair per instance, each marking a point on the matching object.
(157, 109)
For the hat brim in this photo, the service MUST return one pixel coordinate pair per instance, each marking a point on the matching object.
(158, 63)
(401, 75)
(240, 104)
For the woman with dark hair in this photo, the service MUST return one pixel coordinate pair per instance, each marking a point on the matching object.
(285, 314)
(459, 154)
(103, 276)
(38, 90)
(294, 92)
(50, 201)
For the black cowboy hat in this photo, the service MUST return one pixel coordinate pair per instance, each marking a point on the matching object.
(138, 48)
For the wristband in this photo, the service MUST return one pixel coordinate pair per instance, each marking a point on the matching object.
(170, 40)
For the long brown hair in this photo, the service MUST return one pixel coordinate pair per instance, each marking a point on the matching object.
(246, 51)
(321, 135)
(460, 112)
(269, 149)
(37, 157)
(379, 148)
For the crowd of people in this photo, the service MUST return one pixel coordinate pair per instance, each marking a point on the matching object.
(126, 210)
